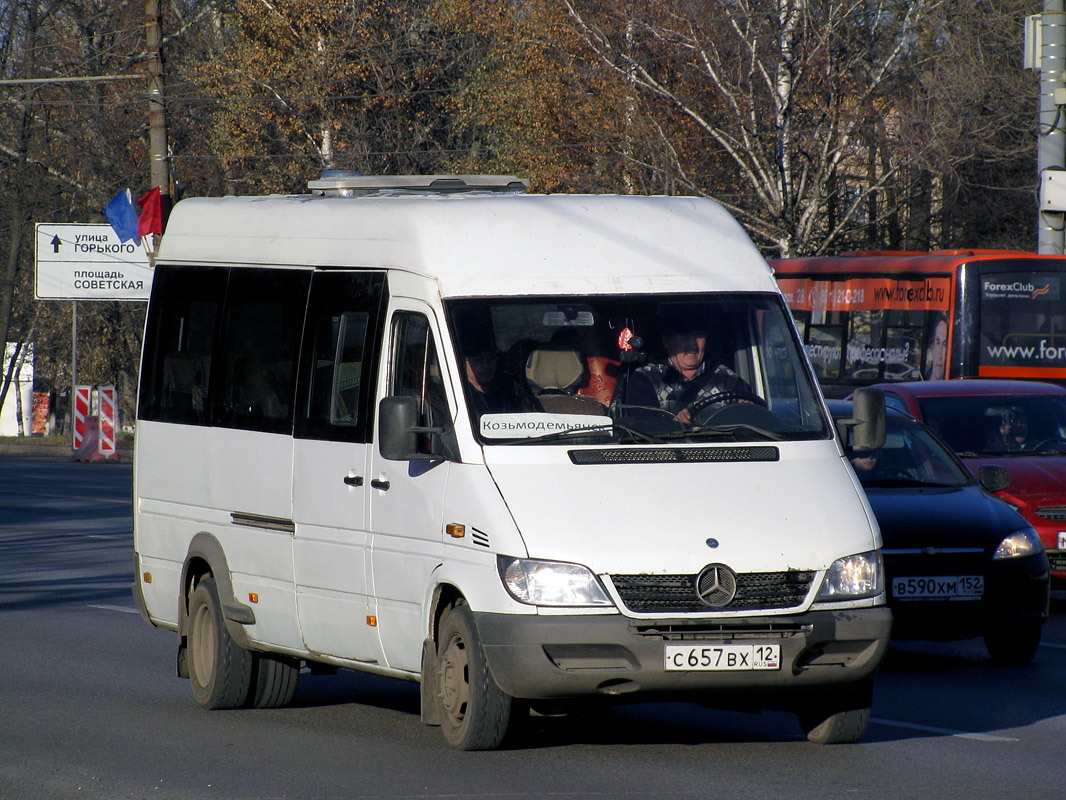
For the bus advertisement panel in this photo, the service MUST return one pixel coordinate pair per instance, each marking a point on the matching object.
(875, 317)
(1022, 325)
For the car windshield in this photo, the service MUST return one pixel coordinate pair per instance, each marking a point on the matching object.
(910, 457)
(634, 369)
(998, 425)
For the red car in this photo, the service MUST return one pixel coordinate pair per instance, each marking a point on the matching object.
(1019, 425)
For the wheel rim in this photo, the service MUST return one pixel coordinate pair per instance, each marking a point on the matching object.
(203, 642)
(453, 679)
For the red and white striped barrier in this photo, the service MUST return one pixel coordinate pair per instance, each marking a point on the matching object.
(108, 419)
(82, 395)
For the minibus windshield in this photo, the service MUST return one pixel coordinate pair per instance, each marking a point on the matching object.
(634, 369)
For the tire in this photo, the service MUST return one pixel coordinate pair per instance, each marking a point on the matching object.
(219, 670)
(837, 718)
(1014, 646)
(275, 680)
(843, 727)
(473, 711)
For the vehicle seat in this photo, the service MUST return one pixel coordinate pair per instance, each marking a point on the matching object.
(554, 376)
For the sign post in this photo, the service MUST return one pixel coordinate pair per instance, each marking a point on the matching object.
(87, 262)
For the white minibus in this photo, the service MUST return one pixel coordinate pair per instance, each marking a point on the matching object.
(530, 451)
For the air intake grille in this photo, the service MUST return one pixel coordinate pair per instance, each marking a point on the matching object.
(674, 455)
(677, 593)
(1052, 513)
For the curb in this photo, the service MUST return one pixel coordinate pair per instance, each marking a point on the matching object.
(60, 453)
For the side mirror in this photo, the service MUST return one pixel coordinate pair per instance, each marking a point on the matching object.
(399, 431)
(397, 419)
(868, 419)
(994, 478)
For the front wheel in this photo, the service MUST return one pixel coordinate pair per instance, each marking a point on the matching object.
(842, 727)
(1016, 645)
(473, 711)
(837, 718)
(220, 671)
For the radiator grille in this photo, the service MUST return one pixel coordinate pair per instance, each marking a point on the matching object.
(677, 593)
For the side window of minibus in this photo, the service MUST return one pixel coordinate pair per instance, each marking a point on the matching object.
(339, 354)
(264, 317)
(179, 342)
(415, 369)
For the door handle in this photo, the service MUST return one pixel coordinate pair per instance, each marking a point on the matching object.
(380, 483)
(353, 480)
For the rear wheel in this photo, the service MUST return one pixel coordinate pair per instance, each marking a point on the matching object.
(220, 671)
(1016, 645)
(276, 678)
(473, 711)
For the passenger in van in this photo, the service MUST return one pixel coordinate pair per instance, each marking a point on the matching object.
(490, 389)
(686, 377)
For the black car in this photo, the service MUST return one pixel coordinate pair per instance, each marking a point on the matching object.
(959, 562)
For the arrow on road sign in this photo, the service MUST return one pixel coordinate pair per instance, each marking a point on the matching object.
(55, 244)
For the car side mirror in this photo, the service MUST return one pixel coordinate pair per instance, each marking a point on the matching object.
(399, 431)
(397, 419)
(867, 420)
(994, 478)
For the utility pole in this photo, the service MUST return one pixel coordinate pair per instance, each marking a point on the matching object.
(157, 117)
(1046, 51)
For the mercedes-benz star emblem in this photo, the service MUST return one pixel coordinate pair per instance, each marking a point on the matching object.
(716, 586)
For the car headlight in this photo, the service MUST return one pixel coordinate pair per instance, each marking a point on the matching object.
(1021, 543)
(551, 583)
(854, 577)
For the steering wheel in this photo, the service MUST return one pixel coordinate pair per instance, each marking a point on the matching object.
(1054, 443)
(703, 411)
(892, 475)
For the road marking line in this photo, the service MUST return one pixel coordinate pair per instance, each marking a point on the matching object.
(1053, 644)
(123, 609)
(981, 737)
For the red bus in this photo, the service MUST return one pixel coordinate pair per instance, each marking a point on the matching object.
(895, 316)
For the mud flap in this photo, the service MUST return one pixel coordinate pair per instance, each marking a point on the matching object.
(429, 683)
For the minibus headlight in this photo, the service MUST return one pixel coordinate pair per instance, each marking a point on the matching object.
(551, 583)
(1020, 543)
(854, 577)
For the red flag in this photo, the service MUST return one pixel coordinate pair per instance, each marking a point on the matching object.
(151, 219)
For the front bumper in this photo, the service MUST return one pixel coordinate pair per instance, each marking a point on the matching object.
(1016, 592)
(555, 657)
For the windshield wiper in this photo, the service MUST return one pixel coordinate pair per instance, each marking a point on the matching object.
(714, 431)
(611, 428)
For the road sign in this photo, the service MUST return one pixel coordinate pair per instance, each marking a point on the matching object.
(89, 262)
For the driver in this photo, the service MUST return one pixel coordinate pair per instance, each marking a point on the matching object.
(685, 378)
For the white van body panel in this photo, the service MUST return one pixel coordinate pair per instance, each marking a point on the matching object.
(657, 518)
(484, 245)
(237, 471)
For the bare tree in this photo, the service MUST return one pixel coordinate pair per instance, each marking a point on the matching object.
(787, 91)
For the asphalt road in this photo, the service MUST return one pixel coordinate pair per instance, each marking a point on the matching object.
(90, 706)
